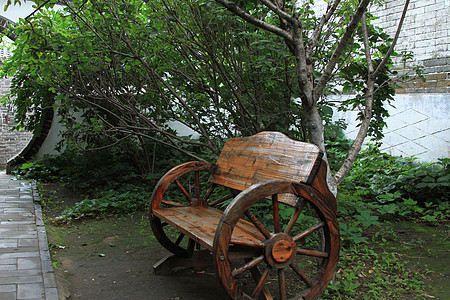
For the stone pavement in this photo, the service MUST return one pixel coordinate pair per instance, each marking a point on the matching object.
(26, 270)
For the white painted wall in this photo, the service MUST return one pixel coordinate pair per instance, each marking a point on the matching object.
(419, 125)
(52, 139)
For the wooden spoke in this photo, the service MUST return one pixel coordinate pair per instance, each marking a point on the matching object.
(218, 201)
(183, 190)
(276, 214)
(301, 274)
(314, 253)
(282, 284)
(261, 283)
(197, 185)
(179, 239)
(294, 218)
(167, 202)
(209, 192)
(256, 275)
(308, 231)
(276, 270)
(247, 266)
(257, 224)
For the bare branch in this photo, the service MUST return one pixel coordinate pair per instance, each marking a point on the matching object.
(276, 9)
(366, 44)
(173, 146)
(107, 146)
(231, 6)
(173, 92)
(340, 47)
(359, 140)
(368, 111)
(318, 31)
(394, 42)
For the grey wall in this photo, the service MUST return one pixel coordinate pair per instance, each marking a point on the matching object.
(11, 142)
(419, 125)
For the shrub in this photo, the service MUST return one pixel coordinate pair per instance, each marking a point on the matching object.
(396, 185)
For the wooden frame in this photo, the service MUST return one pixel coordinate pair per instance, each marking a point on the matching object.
(265, 169)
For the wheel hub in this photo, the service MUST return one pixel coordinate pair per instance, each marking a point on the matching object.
(280, 250)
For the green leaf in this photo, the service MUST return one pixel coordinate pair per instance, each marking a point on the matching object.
(367, 219)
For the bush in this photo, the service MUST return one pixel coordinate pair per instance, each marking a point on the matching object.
(400, 186)
(112, 201)
(111, 181)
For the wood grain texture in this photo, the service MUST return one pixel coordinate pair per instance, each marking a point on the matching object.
(267, 165)
(320, 184)
(265, 156)
(200, 224)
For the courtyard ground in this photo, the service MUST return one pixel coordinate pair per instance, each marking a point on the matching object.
(112, 257)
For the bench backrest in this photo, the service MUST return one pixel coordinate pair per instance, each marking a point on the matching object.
(265, 156)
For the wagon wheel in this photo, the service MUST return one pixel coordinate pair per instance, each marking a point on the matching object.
(184, 185)
(297, 254)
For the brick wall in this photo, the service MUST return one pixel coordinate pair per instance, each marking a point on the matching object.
(425, 33)
(4, 24)
(11, 142)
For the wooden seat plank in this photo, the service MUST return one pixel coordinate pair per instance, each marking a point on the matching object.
(200, 224)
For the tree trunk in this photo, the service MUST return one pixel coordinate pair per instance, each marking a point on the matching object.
(362, 133)
(313, 121)
(314, 125)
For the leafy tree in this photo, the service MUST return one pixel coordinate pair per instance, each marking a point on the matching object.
(334, 37)
(146, 68)
(131, 68)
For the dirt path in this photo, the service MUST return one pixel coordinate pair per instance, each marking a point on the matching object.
(113, 259)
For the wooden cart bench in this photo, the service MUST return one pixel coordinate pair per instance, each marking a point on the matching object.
(266, 220)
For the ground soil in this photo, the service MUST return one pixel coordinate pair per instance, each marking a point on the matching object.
(426, 249)
(113, 258)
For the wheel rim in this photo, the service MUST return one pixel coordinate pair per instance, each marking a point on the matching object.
(291, 265)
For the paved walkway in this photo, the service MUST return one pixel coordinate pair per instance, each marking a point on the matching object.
(26, 270)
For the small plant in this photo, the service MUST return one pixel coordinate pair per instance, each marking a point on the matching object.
(37, 170)
(399, 186)
(112, 202)
(366, 274)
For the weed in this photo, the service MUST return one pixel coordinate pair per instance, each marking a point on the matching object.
(366, 274)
